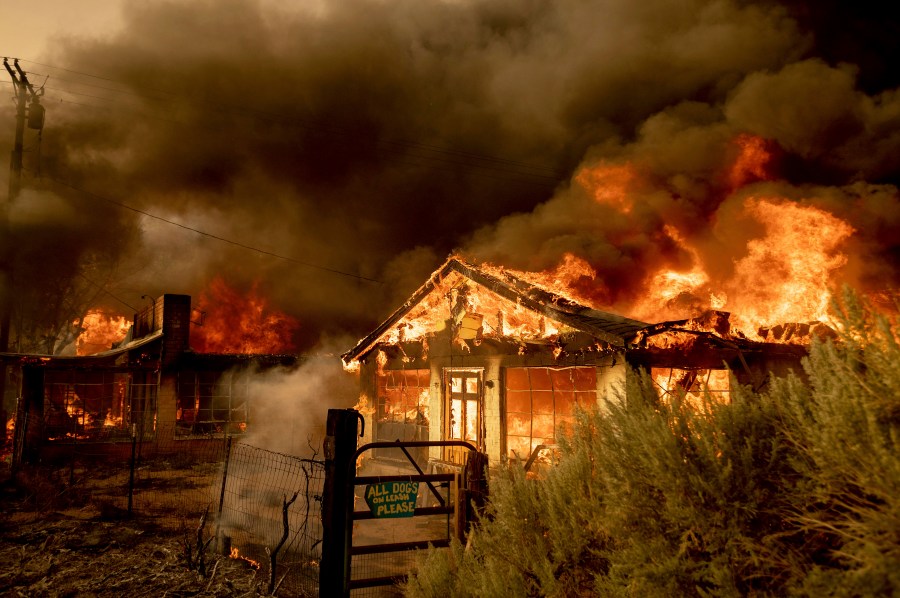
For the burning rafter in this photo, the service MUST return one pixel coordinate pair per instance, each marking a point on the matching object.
(510, 306)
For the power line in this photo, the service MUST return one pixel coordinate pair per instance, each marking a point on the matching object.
(409, 158)
(210, 235)
(498, 163)
(108, 292)
(74, 72)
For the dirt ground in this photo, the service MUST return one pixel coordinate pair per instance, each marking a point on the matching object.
(53, 547)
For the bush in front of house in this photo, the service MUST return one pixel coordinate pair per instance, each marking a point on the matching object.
(793, 491)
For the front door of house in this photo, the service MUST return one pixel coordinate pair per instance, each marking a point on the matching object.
(463, 410)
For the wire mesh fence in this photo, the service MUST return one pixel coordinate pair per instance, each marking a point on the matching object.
(151, 475)
(271, 513)
(245, 502)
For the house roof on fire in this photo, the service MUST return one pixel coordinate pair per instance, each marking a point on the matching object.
(610, 328)
(114, 358)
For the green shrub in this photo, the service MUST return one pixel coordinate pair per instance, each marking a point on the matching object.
(794, 491)
(846, 425)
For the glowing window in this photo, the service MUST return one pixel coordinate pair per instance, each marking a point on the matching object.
(540, 400)
(463, 410)
(402, 397)
(212, 402)
(401, 411)
(98, 405)
(697, 386)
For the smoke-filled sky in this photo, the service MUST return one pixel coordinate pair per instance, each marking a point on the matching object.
(367, 139)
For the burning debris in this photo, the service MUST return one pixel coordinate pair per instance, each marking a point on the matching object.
(235, 554)
(686, 229)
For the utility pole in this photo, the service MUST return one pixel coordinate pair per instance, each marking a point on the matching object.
(24, 92)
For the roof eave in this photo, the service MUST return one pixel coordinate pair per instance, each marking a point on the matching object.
(546, 303)
(368, 342)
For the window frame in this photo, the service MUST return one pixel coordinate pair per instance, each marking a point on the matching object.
(452, 454)
(99, 405)
(221, 402)
(554, 413)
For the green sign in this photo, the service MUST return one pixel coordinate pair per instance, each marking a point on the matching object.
(392, 499)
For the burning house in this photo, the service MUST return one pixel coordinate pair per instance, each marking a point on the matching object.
(151, 385)
(480, 354)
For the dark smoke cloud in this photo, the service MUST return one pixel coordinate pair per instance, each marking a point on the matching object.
(375, 137)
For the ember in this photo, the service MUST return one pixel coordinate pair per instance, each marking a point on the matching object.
(6, 445)
(236, 555)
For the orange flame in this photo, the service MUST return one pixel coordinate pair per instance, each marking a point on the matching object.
(454, 299)
(668, 293)
(6, 445)
(235, 554)
(235, 323)
(99, 332)
(786, 275)
(609, 184)
(752, 162)
(783, 276)
(696, 387)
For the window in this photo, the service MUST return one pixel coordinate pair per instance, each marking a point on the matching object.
(540, 400)
(695, 385)
(212, 403)
(401, 411)
(99, 405)
(463, 407)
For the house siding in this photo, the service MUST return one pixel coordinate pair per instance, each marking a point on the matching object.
(611, 373)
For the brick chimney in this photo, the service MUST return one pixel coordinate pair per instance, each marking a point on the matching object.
(174, 312)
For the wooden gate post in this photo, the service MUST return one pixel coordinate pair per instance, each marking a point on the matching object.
(476, 488)
(337, 501)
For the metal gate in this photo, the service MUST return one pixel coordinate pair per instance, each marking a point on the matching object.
(373, 524)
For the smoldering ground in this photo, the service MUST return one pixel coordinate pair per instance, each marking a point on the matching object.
(365, 139)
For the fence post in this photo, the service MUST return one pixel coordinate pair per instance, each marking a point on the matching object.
(131, 472)
(337, 501)
(222, 492)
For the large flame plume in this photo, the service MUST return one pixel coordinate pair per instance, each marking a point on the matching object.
(99, 332)
(231, 322)
(777, 259)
